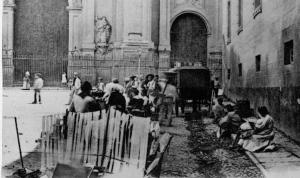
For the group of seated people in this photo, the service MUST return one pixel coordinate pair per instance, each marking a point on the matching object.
(252, 133)
(134, 97)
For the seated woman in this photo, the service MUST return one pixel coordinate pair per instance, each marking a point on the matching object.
(262, 133)
(138, 104)
(84, 102)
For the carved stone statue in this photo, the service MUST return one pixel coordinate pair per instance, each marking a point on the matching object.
(103, 34)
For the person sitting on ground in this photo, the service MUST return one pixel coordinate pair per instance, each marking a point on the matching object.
(230, 123)
(84, 102)
(262, 132)
(218, 110)
(135, 102)
(114, 95)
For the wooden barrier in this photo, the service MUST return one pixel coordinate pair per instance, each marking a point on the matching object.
(112, 140)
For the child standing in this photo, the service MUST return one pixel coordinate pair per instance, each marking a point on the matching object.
(38, 85)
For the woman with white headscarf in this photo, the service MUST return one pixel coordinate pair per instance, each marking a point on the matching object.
(26, 81)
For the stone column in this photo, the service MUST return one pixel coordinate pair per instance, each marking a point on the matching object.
(164, 37)
(88, 25)
(75, 10)
(7, 42)
(8, 26)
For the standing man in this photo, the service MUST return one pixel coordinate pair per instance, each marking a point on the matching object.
(38, 85)
(216, 86)
(169, 95)
(75, 87)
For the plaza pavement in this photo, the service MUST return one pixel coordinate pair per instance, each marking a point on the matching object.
(16, 103)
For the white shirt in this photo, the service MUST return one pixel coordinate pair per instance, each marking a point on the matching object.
(77, 84)
(38, 83)
(110, 86)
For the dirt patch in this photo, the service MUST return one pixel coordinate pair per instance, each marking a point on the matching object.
(214, 157)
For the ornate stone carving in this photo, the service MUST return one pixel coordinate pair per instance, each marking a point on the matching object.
(75, 3)
(198, 2)
(8, 2)
(102, 34)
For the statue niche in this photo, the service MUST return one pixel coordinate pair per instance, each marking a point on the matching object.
(102, 35)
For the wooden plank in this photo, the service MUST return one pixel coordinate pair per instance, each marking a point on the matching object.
(144, 143)
(257, 163)
(285, 165)
(135, 141)
(80, 139)
(279, 160)
(75, 156)
(88, 129)
(70, 123)
(50, 141)
(94, 141)
(110, 132)
(102, 127)
(43, 142)
(272, 154)
(116, 164)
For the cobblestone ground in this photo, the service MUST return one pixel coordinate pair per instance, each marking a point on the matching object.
(198, 153)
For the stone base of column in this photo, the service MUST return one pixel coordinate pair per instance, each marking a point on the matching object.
(88, 49)
(164, 61)
(7, 71)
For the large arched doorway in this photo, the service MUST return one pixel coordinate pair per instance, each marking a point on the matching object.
(188, 39)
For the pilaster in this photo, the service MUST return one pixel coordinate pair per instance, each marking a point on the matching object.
(88, 42)
(164, 26)
(8, 25)
(74, 21)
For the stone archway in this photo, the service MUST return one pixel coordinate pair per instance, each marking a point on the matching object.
(188, 38)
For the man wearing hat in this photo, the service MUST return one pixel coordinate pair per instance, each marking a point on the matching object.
(38, 85)
(75, 87)
(168, 96)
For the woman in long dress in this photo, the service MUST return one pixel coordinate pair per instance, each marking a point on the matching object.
(26, 81)
(262, 134)
(64, 80)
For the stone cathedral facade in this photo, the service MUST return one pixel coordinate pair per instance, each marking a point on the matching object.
(160, 33)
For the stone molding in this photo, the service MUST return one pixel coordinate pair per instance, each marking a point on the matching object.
(75, 4)
(189, 8)
(9, 3)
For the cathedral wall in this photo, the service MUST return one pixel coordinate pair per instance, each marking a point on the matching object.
(41, 27)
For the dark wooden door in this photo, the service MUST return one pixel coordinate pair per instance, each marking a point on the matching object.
(189, 39)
